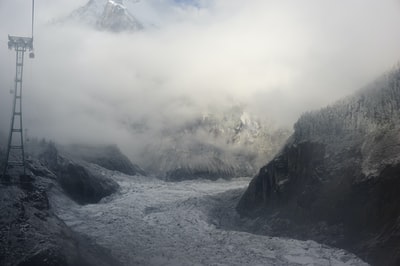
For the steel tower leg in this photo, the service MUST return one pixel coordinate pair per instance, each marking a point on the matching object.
(15, 156)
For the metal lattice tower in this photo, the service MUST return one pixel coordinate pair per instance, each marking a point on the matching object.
(15, 155)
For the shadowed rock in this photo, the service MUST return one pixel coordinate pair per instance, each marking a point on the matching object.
(82, 185)
(337, 179)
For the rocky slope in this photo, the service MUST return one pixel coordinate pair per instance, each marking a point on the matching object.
(106, 15)
(71, 166)
(30, 232)
(337, 179)
(216, 145)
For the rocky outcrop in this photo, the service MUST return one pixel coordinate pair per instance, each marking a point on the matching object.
(83, 185)
(30, 233)
(337, 178)
(296, 168)
(80, 181)
(71, 166)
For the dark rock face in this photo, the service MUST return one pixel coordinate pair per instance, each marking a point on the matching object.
(337, 179)
(84, 186)
(70, 166)
(294, 169)
(78, 180)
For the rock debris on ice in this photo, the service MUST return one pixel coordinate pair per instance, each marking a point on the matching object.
(151, 222)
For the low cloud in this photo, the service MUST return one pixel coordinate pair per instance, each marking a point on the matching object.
(279, 58)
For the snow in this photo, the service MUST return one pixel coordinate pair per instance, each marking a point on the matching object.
(151, 222)
(116, 4)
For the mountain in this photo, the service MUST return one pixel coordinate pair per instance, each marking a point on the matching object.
(106, 15)
(214, 145)
(337, 179)
(147, 222)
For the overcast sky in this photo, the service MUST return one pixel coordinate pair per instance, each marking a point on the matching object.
(280, 58)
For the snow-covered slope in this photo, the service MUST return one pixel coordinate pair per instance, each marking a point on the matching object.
(151, 222)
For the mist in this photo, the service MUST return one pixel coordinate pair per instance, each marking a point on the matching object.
(279, 59)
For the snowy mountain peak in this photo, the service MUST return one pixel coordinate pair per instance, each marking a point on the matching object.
(109, 15)
(117, 3)
(116, 18)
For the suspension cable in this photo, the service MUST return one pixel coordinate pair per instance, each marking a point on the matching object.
(33, 15)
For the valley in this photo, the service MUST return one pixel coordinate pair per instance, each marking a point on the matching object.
(152, 222)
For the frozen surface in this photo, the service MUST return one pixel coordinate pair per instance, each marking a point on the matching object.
(151, 222)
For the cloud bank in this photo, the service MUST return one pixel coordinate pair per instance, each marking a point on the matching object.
(280, 58)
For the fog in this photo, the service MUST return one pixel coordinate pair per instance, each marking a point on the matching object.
(279, 58)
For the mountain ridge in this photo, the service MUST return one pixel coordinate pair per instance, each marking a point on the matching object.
(335, 180)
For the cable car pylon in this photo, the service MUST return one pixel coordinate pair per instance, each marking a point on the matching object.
(15, 155)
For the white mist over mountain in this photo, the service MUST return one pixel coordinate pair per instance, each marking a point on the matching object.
(279, 59)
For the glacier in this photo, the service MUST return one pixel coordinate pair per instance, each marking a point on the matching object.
(153, 222)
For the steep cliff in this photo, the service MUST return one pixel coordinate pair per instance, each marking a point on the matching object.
(337, 178)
